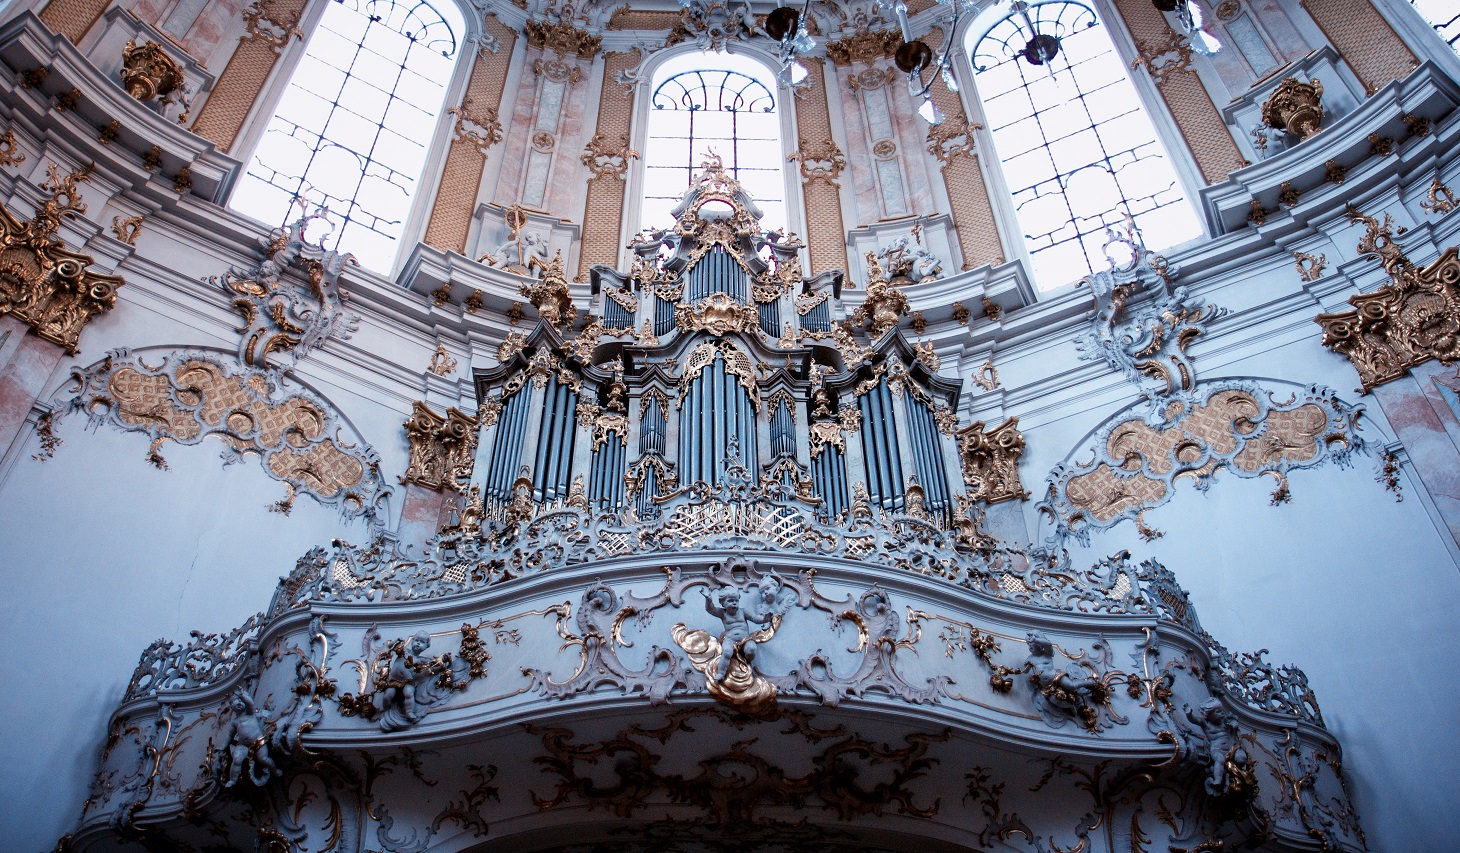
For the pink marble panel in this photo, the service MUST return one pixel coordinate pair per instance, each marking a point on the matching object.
(1413, 415)
(26, 365)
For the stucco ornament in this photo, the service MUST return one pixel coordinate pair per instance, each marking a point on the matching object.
(297, 437)
(1296, 107)
(1135, 460)
(990, 461)
(407, 684)
(246, 756)
(902, 258)
(1080, 691)
(148, 72)
(286, 318)
(1411, 319)
(1145, 340)
(42, 283)
(1215, 734)
(549, 294)
(885, 304)
(750, 615)
(442, 447)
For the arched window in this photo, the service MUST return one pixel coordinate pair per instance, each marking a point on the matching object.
(721, 103)
(352, 129)
(1443, 16)
(1078, 152)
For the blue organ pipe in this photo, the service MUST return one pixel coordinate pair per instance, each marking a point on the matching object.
(879, 449)
(770, 319)
(718, 426)
(687, 449)
(706, 403)
(508, 448)
(569, 438)
(615, 316)
(889, 427)
(539, 459)
(870, 455)
(514, 449)
(887, 442)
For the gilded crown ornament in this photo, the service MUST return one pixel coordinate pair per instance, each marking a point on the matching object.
(1295, 107)
(148, 72)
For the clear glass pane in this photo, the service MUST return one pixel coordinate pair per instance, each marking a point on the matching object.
(720, 104)
(1078, 151)
(352, 127)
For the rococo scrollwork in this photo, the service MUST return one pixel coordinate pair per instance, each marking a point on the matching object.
(50, 288)
(1411, 319)
(726, 584)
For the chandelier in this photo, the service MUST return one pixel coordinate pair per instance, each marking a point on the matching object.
(1041, 46)
(785, 26)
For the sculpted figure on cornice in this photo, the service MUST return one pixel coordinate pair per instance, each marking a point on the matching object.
(1146, 342)
(284, 317)
(42, 283)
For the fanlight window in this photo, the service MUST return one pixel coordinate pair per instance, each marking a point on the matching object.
(728, 110)
(1079, 154)
(352, 129)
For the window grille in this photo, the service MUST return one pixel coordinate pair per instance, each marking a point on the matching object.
(351, 132)
(731, 113)
(1443, 16)
(1078, 151)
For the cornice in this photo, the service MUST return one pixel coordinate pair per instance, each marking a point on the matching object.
(26, 44)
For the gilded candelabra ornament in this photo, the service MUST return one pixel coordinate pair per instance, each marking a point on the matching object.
(148, 72)
(43, 284)
(550, 294)
(1408, 321)
(1295, 107)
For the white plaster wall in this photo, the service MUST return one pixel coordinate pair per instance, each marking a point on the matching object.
(102, 554)
(1360, 592)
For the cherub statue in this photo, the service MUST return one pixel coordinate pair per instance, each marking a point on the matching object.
(1070, 692)
(762, 604)
(415, 683)
(519, 252)
(912, 261)
(1229, 768)
(248, 744)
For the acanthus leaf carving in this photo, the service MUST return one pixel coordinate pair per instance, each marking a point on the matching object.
(990, 460)
(1413, 318)
(50, 288)
(282, 315)
(443, 448)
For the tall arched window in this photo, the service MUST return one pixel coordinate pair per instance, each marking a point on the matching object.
(352, 129)
(1443, 16)
(1078, 151)
(721, 103)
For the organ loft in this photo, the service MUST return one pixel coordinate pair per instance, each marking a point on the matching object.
(461, 425)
